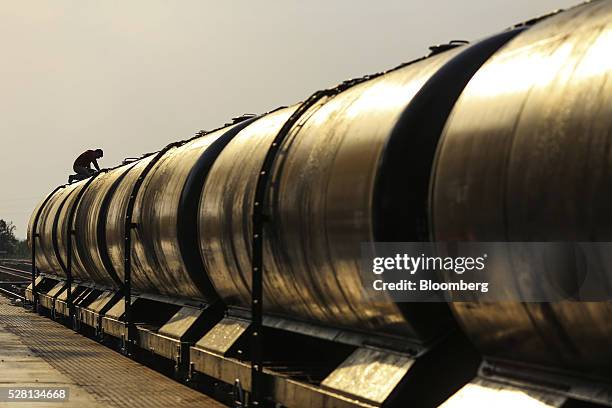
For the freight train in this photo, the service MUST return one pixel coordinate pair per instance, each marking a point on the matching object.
(505, 139)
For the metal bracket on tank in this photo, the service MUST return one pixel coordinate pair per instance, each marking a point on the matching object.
(438, 48)
(34, 236)
(127, 248)
(259, 218)
(130, 225)
(71, 233)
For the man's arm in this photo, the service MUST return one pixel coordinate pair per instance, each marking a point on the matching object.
(95, 163)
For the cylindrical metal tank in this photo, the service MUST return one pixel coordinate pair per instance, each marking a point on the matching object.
(61, 229)
(49, 258)
(90, 228)
(116, 213)
(35, 234)
(525, 156)
(43, 241)
(226, 203)
(165, 257)
(30, 233)
(322, 204)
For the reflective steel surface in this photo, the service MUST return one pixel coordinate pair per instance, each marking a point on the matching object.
(483, 393)
(225, 208)
(369, 373)
(525, 156)
(61, 231)
(321, 205)
(115, 218)
(42, 263)
(49, 255)
(159, 262)
(89, 225)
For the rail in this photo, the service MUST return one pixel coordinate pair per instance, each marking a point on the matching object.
(12, 294)
(14, 272)
(11, 260)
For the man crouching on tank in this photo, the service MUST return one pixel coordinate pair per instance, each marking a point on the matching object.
(82, 164)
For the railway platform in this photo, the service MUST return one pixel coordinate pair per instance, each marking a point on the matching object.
(36, 352)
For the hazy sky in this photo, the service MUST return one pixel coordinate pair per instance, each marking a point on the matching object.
(131, 76)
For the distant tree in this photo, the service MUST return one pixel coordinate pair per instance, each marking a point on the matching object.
(8, 242)
(22, 249)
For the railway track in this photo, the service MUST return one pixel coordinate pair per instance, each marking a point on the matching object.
(14, 280)
(21, 264)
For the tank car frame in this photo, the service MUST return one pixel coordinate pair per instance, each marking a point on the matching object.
(241, 269)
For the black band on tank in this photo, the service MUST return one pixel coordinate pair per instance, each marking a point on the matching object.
(34, 234)
(54, 232)
(101, 229)
(187, 228)
(402, 183)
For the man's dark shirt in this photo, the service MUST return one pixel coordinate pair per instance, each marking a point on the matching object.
(86, 158)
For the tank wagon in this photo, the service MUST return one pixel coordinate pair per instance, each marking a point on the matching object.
(503, 139)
